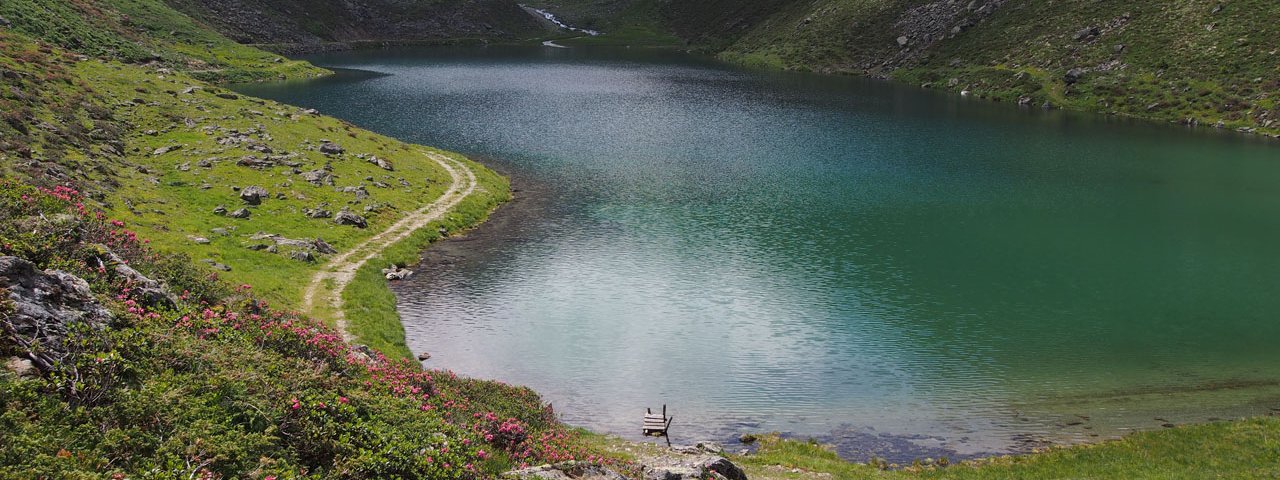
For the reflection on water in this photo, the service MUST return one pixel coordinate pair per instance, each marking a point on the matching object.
(772, 251)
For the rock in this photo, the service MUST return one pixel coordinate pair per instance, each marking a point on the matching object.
(318, 177)
(228, 96)
(4, 22)
(345, 217)
(150, 293)
(216, 265)
(710, 447)
(330, 148)
(1086, 33)
(21, 367)
(206, 163)
(252, 161)
(724, 467)
(219, 231)
(383, 164)
(150, 133)
(903, 41)
(45, 305)
(302, 256)
(565, 471)
(1119, 48)
(424, 356)
(220, 210)
(1073, 75)
(254, 195)
(1024, 101)
(359, 192)
(164, 150)
(311, 111)
(241, 213)
(323, 247)
(317, 213)
(199, 240)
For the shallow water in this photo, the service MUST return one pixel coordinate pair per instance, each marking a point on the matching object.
(880, 266)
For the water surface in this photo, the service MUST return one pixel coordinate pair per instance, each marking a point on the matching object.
(881, 266)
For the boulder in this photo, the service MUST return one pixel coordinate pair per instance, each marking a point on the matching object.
(254, 195)
(150, 293)
(1073, 75)
(167, 149)
(723, 467)
(323, 247)
(317, 213)
(565, 471)
(1086, 33)
(318, 177)
(302, 256)
(45, 305)
(345, 217)
(220, 210)
(241, 213)
(903, 41)
(329, 148)
(383, 164)
(358, 191)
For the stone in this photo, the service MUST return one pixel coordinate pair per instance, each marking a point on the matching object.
(44, 306)
(254, 195)
(903, 41)
(216, 265)
(220, 210)
(219, 231)
(252, 161)
(318, 177)
(150, 293)
(1073, 75)
(4, 22)
(317, 213)
(311, 111)
(359, 192)
(302, 256)
(424, 356)
(167, 149)
(328, 148)
(710, 447)
(383, 164)
(241, 213)
(21, 367)
(228, 96)
(345, 217)
(199, 240)
(1086, 33)
(323, 247)
(724, 467)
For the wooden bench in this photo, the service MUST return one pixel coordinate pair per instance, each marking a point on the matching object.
(657, 424)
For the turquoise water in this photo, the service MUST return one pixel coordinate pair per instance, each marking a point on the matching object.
(881, 266)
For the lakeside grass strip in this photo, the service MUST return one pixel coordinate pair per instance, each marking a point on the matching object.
(370, 306)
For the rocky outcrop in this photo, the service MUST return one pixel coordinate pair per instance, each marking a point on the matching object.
(46, 304)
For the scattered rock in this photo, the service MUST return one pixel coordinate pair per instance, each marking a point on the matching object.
(220, 210)
(359, 192)
(424, 356)
(254, 195)
(241, 213)
(252, 161)
(317, 213)
(302, 256)
(221, 232)
(228, 96)
(345, 217)
(328, 148)
(199, 240)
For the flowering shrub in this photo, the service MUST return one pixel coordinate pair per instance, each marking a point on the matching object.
(220, 385)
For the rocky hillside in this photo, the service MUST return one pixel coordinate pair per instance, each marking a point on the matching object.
(309, 24)
(1200, 63)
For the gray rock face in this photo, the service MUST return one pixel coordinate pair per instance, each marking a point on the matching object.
(317, 213)
(329, 148)
(45, 303)
(318, 177)
(254, 195)
(150, 292)
(345, 217)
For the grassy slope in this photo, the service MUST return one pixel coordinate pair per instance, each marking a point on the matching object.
(1180, 60)
(105, 119)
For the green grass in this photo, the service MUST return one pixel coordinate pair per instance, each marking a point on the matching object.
(1237, 449)
(370, 306)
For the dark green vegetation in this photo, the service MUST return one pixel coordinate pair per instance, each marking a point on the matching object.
(213, 383)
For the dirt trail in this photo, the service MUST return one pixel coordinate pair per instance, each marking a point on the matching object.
(323, 297)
